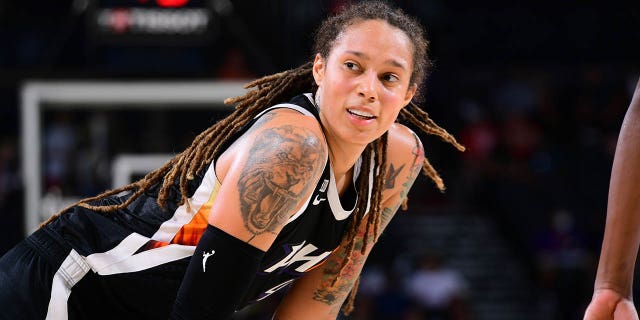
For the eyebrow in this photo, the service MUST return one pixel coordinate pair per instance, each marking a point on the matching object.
(392, 62)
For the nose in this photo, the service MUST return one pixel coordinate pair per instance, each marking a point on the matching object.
(367, 86)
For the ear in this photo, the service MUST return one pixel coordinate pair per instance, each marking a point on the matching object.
(411, 91)
(318, 69)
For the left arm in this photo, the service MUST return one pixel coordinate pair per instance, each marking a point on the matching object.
(613, 289)
(313, 295)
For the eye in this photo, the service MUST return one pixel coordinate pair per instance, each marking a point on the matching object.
(351, 65)
(390, 77)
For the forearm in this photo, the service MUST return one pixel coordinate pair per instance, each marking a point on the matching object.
(220, 271)
(334, 291)
(622, 231)
(317, 293)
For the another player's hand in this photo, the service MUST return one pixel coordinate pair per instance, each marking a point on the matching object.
(607, 304)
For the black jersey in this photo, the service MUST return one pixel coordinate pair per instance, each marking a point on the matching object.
(116, 250)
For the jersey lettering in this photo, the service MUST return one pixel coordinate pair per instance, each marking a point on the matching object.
(324, 186)
(274, 289)
(300, 253)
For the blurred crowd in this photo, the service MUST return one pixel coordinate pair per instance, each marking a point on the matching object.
(537, 101)
(540, 148)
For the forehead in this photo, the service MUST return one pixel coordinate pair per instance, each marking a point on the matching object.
(376, 38)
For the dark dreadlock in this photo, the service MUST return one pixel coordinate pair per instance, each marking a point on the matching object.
(280, 87)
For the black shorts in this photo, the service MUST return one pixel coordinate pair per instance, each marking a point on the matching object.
(43, 278)
(27, 275)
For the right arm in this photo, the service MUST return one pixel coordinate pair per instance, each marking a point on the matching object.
(265, 176)
(612, 298)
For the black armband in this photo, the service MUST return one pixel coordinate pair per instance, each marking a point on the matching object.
(219, 274)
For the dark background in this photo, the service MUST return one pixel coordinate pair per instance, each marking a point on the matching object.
(535, 90)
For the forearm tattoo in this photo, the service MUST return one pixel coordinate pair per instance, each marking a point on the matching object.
(334, 295)
(281, 165)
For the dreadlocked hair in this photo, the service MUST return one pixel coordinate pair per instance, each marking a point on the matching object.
(419, 118)
(263, 93)
(375, 154)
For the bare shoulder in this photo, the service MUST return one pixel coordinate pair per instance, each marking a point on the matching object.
(269, 132)
(288, 138)
(404, 146)
(405, 157)
(284, 117)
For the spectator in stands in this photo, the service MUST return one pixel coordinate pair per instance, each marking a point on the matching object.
(382, 296)
(563, 263)
(439, 292)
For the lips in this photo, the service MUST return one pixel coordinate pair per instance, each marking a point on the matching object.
(361, 114)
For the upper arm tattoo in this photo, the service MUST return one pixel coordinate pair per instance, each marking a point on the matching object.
(281, 166)
(392, 174)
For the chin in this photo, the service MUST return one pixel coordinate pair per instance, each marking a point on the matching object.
(364, 140)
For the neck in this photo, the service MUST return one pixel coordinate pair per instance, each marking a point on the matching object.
(342, 162)
(343, 158)
(342, 154)
(342, 171)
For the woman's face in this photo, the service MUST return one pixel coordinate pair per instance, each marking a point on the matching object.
(364, 82)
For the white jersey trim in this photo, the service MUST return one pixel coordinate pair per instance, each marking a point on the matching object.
(149, 259)
(125, 249)
(122, 258)
(170, 228)
(72, 269)
(286, 105)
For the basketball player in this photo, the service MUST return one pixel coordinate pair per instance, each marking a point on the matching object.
(291, 190)
(612, 296)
